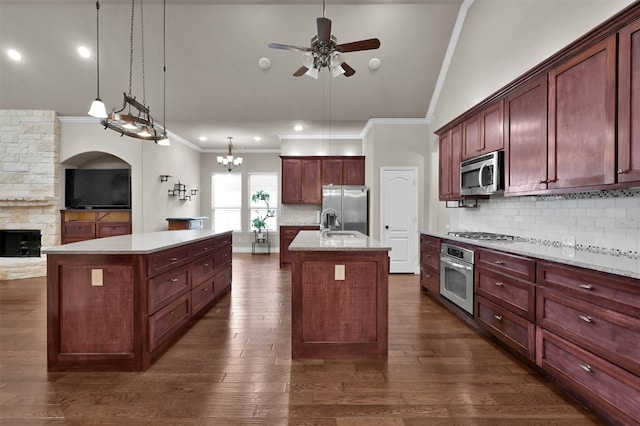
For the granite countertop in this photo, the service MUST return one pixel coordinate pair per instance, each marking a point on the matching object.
(619, 265)
(318, 241)
(141, 243)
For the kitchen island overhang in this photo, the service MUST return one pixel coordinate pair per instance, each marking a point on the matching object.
(339, 296)
(117, 303)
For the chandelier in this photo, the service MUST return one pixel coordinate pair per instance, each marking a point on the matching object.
(134, 119)
(230, 162)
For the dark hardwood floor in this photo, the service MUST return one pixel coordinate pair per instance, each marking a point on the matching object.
(233, 367)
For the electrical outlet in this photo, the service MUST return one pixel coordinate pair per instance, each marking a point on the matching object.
(97, 277)
(339, 274)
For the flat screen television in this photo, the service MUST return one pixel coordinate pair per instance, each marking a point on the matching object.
(97, 188)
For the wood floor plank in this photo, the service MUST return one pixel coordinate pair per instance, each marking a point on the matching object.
(234, 367)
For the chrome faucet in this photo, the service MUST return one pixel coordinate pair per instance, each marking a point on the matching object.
(324, 219)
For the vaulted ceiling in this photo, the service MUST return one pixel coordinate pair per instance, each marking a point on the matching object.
(214, 86)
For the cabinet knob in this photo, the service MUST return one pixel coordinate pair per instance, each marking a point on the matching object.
(499, 284)
(427, 275)
(174, 280)
(499, 262)
(427, 255)
(206, 264)
(585, 318)
(586, 286)
(498, 317)
(586, 367)
(173, 259)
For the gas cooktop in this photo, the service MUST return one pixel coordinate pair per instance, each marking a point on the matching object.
(482, 236)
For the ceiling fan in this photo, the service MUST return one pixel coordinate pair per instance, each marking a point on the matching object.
(326, 52)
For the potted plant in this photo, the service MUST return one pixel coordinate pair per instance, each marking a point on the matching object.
(259, 222)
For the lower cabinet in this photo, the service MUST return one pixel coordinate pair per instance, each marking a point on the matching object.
(287, 234)
(430, 264)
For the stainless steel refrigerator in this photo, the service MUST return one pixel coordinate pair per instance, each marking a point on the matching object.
(351, 203)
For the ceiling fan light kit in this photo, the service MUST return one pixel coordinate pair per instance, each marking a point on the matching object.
(325, 52)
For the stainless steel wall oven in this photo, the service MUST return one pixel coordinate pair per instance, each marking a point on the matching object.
(456, 275)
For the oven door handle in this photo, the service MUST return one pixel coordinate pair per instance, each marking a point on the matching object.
(456, 264)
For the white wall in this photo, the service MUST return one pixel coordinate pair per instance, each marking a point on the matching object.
(323, 146)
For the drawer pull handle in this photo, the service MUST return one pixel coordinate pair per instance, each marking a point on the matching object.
(585, 318)
(586, 286)
(499, 284)
(586, 367)
(174, 280)
(428, 242)
(499, 262)
(427, 275)
(427, 255)
(206, 264)
(498, 317)
(173, 259)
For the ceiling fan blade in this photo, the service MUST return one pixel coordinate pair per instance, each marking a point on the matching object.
(301, 71)
(324, 29)
(289, 47)
(348, 71)
(369, 44)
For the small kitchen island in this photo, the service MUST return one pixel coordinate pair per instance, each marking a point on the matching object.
(339, 296)
(117, 303)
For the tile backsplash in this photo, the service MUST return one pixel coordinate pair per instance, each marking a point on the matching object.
(603, 220)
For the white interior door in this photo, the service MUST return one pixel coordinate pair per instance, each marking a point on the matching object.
(399, 217)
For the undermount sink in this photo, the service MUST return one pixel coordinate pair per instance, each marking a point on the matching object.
(352, 234)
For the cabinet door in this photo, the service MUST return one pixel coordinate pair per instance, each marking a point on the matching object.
(526, 138)
(311, 189)
(472, 137)
(493, 128)
(291, 180)
(582, 112)
(353, 171)
(629, 104)
(332, 171)
(450, 156)
(445, 166)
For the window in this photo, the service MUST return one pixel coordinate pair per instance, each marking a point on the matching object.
(267, 182)
(226, 201)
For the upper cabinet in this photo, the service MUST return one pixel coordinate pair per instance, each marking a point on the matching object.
(628, 169)
(582, 119)
(483, 132)
(450, 155)
(303, 177)
(525, 115)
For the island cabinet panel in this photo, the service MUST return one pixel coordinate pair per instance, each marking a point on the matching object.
(108, 312)
(339, 318)
(582, 139)
(629, 103)
(526, 138)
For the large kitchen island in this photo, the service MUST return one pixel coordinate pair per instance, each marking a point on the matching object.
(115, 304)
(339, 296)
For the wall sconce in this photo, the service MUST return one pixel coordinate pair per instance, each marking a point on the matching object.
(164, 178)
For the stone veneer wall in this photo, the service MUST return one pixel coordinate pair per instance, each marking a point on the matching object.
(29, 183)
(601, 221)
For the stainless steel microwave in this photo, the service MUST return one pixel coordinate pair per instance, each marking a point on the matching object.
(482, 175)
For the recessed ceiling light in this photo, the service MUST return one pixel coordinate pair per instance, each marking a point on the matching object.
(264, 63)
(257, 138)
(298, 128)
(202, 138)
(84, 52)
(14, 54)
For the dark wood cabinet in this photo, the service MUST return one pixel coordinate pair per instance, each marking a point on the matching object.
(303, 177)
(628, 169)
(582, 119)
(526, 138)
(287, 234)
(430, 264)
(449, 159)
(82, 225)
(483, 132)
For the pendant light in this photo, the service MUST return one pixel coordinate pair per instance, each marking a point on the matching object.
(230, 162)
(97, 106)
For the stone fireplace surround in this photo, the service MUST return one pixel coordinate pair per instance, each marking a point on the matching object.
(29, 183)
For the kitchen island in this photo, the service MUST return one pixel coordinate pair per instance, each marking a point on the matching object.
(339, 296)
(115, 304)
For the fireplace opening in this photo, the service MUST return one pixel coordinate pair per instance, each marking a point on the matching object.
(20, 242)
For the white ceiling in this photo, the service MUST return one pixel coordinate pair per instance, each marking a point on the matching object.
(214, 86)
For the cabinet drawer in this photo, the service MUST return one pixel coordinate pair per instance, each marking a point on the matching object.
(167, 260)
(111, 229)
(222, 281)
(600, 330)
(513, 330)
(165, 288)
(203, 247)
(513, 265)
(430, 257)
(223, 257)
(516, 295)
(429, 241)
(202, 268)
(430, 280)
(79, 230)
(163, 323)
(607, 290)
(201, 296)
(598, 380)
